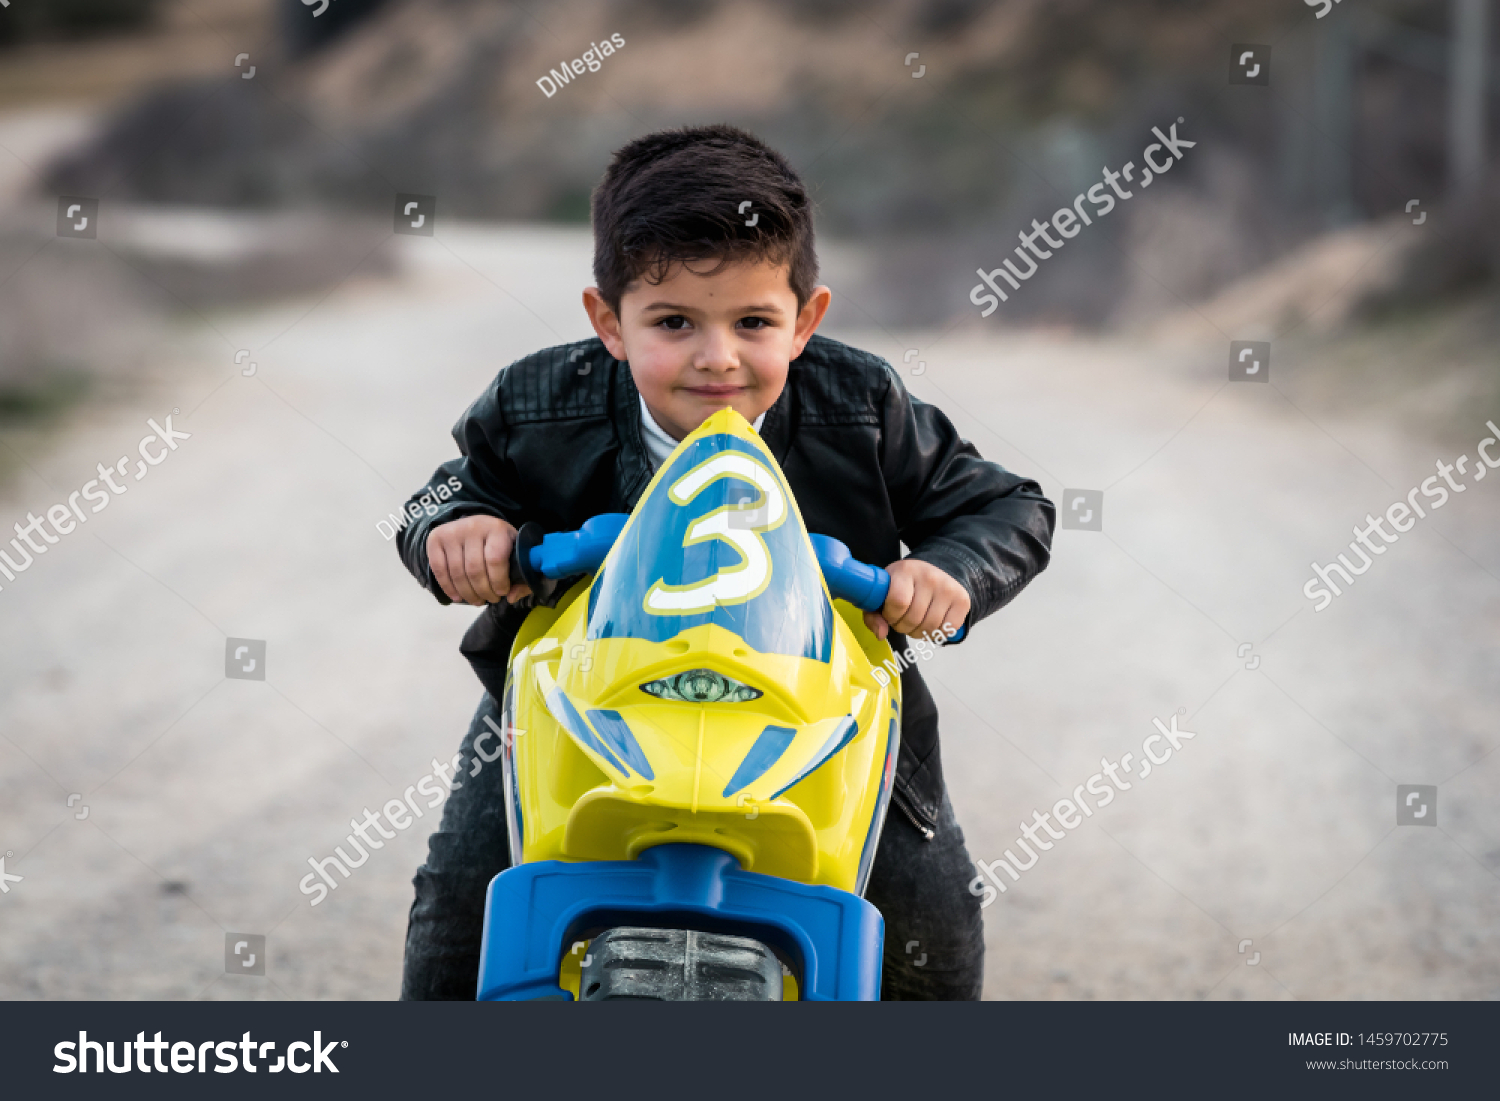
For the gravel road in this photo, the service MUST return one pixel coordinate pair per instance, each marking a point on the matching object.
(1262, 860)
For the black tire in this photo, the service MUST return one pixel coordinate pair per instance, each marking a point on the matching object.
(678, 965)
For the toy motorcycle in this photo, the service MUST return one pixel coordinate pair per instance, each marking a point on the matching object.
(698, 749)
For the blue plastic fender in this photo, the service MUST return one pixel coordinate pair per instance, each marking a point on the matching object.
(534, 911)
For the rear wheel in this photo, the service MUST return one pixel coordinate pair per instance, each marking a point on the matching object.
(678, 965)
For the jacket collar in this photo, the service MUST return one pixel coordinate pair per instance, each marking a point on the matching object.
(633, 468)
(776, 429)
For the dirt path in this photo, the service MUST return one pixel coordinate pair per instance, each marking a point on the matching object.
(1275, 823)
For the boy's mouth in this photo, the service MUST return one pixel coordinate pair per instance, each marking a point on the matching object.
(715, 391)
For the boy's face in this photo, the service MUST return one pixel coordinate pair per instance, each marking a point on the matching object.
(700, 343)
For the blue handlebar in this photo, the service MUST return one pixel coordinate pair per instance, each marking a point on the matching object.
(565, 553)
(848, 578)
(862, 585)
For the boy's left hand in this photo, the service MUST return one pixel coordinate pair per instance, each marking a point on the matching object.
(921, 599)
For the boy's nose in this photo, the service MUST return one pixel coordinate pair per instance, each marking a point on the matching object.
(716, 353)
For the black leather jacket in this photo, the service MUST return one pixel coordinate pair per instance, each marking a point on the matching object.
(557, 439)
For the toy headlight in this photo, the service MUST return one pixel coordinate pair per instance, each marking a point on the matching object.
(701, 686)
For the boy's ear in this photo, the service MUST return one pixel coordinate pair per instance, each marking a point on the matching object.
(605, 321)
(809, 317)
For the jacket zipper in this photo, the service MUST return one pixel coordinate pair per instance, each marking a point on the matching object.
(911, 815)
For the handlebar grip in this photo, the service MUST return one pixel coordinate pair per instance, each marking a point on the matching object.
(565, 553)
(522, 563)
(862, 585)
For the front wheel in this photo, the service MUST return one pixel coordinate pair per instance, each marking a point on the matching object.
(678, 965)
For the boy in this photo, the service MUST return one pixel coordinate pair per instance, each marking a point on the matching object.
(695, 310)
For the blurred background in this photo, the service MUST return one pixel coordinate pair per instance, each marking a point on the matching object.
(243, 275)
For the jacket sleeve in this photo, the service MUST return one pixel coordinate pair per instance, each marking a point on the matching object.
(973, 519)
(485, 480)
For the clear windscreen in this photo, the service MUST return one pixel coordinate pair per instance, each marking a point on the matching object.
(716, 539)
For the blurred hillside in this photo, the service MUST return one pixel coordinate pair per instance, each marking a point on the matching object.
(66, 19)
(75, 314)
(1019, 105)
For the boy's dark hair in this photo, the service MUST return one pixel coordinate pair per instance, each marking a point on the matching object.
(677, 195)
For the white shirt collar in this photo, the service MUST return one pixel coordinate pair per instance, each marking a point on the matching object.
(659, 445)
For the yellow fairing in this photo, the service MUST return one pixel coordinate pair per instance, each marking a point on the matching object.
(794, 783)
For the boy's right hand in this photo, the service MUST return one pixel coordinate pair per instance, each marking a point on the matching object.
(470, 558)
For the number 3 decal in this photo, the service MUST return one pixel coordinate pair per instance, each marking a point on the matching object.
(736, 584)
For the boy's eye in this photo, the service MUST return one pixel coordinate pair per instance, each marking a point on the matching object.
(674, 323)
(754, 323)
